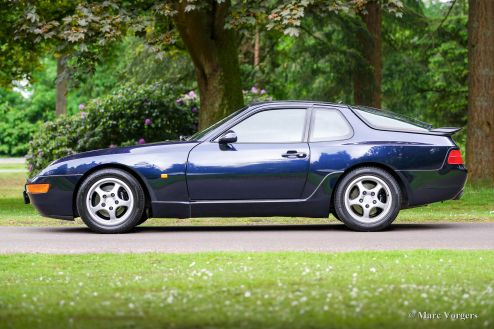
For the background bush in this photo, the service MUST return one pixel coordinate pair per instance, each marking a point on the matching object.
(20, 118)
(129, 115)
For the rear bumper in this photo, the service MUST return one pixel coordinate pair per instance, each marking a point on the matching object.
(434, 186)
(459, 195)
(58, 202)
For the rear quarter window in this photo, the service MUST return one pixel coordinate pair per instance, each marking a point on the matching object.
(329, 125)
(386, 120)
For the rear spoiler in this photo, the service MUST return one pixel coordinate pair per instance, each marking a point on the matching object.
(444, 131)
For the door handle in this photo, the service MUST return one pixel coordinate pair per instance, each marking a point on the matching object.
(294, 154)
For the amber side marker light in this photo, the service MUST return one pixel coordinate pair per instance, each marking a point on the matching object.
(38, 188)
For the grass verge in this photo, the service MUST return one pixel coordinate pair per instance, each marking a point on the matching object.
(248, 290)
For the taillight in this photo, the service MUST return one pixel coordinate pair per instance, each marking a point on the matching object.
(454, 157)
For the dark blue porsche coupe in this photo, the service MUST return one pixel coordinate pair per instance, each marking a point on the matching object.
(284, 158)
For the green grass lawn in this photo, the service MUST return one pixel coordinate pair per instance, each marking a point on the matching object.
(477, 204)
(13, 166)
(247, 290)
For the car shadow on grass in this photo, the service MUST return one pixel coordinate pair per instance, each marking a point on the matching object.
(258, 228)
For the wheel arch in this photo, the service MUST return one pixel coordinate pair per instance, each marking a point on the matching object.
(112, 166)
(399, 179)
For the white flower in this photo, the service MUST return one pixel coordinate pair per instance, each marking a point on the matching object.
(247, 294)
(372, 269)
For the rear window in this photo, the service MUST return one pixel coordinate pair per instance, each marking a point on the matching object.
(386, 120)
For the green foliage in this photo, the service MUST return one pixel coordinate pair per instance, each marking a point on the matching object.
(128, 61)
(120, 118)
(14, 128)
(425, 67)
(20, 117)
(54, 139)
(127, 116)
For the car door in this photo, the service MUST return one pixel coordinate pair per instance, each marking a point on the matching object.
(269, 160)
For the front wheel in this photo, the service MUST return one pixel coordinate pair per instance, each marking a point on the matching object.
(111, 201)
(367, 199)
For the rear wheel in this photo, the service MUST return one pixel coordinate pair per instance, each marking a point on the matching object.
(111, 201)
(367, 199)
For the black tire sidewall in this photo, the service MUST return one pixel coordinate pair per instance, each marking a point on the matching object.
(136, 190)
(347, 218)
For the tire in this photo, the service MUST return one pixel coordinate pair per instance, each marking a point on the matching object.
(111, 201)
(143, 219)
(367, 199)
(335, 215)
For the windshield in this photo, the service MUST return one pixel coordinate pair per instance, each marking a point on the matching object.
(381, 119)
(200, 134)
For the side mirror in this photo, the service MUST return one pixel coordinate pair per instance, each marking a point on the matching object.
(228, 137)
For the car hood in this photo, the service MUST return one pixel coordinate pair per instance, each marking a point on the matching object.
(124, 149)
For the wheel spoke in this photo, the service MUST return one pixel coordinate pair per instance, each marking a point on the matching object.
(354, 202)
(112, 214)
(377, 188)
(380, 205)
(124, 203)
(115, 188)
(361, 187)
(97, 207)
(100, 192)
(366, 212)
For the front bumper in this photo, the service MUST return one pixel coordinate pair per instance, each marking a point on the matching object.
(25, 196)
(58, 202)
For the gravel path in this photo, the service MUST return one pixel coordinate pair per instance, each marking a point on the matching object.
(327, 238)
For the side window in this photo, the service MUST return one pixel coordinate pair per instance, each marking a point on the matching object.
(272, 126)
(329, 125)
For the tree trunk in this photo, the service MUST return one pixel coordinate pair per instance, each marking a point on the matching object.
(367, 78)
(257, 48)
(61, 87)
(213, 50)
(480, 137)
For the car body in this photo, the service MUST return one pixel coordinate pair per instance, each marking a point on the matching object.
(217, 173)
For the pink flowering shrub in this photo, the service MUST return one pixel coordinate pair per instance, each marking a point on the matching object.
(128, 116)
(256, 94)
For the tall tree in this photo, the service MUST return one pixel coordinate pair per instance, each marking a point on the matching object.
(480, 140)
(214, 51)
(207, 28)
(61, 86)
(367, 77)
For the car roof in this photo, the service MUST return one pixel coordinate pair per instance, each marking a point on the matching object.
(298, 103)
